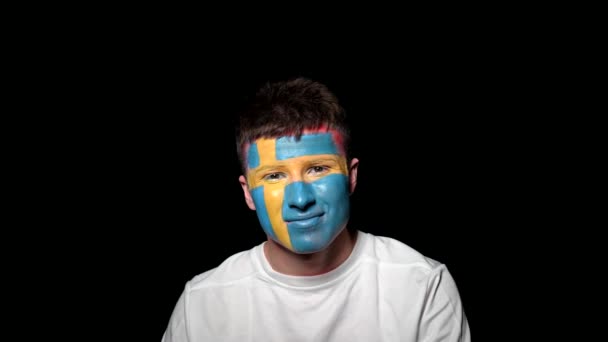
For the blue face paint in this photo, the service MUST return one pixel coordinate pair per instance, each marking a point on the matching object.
(316, 212)
(258, 198)
(300, 189)
(309, 144)
(253, 157)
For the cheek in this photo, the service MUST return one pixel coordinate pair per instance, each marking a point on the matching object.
(272, 201)
(273, 196)
(332, 189)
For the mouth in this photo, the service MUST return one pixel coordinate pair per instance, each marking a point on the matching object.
(305, 222)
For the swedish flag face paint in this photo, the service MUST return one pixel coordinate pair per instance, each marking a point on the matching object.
(300, 189)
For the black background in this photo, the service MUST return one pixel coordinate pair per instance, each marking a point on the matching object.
(441, 170)
(143, 174)
(477, 128)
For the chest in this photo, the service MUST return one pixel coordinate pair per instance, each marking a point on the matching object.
(354, 310)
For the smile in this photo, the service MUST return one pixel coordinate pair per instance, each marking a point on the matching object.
(304, 222)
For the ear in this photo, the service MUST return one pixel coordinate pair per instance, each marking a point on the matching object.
(248, 198)
(352, 174)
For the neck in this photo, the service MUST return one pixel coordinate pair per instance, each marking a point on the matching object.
(287, 262)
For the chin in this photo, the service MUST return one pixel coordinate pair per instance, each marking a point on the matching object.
(313, 241)
(310, 251)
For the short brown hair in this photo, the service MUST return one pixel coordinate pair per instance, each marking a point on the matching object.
(288, 108)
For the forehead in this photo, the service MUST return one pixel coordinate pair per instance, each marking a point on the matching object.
(264, 151)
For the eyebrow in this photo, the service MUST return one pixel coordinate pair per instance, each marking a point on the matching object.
(282, 164)
(267, 168)
(322, 160)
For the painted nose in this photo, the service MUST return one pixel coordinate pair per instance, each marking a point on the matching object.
(299, 195)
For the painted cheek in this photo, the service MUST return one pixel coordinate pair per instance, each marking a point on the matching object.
(332, 190)
(331, 196)
(329, 189)
(273, 202)
(260, 208)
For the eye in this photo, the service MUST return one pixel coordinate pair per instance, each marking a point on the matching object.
(274, 177)
(318, 169)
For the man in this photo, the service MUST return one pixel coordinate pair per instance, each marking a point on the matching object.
(313, 279)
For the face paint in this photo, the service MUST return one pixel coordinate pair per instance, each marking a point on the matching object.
(300, 189)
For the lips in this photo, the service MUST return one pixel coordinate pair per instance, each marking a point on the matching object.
(304, 221)
(293, 217)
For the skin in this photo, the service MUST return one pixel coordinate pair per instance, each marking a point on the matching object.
(300, 191)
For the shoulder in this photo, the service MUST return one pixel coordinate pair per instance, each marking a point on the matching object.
(390, 251)
(398, 263)
(235, 269)
(213, 295)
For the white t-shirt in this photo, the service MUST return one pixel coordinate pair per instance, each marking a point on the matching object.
(384, 291)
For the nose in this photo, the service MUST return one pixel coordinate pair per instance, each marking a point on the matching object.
(299, 195)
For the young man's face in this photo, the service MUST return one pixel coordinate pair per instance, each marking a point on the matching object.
(300, 190)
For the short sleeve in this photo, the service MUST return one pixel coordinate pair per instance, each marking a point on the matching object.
(177, 330)
(443, 317)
